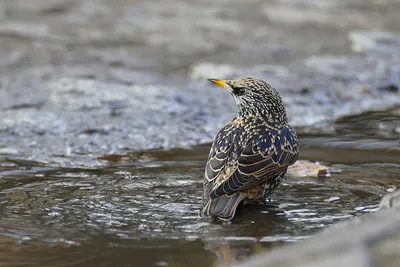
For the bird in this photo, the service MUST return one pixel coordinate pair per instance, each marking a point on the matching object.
(249, 157)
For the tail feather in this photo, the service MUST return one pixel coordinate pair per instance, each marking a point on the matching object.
(223, 207)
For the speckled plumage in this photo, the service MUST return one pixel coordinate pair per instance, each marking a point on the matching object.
(250, 155)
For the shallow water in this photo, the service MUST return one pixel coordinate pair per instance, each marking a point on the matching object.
(141, 210)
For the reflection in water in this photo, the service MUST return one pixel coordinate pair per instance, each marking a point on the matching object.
(142, 210)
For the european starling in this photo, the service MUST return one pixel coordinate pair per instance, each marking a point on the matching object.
(250, 155)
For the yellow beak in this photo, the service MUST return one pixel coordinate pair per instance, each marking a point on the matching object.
(220, 83)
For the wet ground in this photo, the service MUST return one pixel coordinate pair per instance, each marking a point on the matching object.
(106, 120)
(89, 77)
(141, 209)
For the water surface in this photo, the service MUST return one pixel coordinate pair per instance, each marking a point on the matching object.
(142, 208)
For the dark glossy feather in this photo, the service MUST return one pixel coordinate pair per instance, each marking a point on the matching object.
(250, 155)
(234, 167)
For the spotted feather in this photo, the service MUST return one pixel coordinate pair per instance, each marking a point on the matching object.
(250, 155)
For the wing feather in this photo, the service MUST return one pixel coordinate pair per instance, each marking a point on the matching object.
(265, 154)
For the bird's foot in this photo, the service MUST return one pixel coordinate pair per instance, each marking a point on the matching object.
(265, 200)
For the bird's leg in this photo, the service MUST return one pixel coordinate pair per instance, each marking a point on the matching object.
(265, 200)
(266, 193)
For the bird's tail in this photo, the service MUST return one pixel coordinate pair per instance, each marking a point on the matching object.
(223, 207)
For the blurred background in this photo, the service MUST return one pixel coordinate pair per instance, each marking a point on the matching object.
(107, 119)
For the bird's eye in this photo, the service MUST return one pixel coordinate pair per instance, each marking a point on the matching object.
(239, 90)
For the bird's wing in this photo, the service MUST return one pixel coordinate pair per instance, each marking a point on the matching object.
(266, 153)
(220, 164)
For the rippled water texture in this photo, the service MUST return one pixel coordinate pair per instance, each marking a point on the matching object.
(141, 210)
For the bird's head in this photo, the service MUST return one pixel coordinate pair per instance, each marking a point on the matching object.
(255, 97)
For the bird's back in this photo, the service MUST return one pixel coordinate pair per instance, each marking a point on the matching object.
(246, 154)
